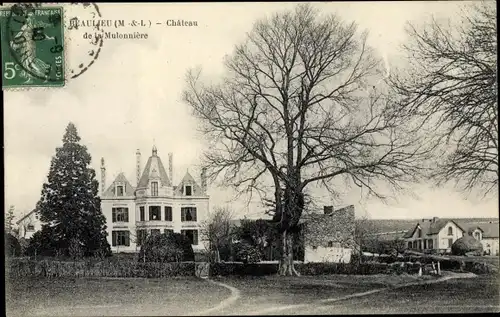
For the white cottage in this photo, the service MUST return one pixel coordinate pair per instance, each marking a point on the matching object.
(434, 234)
(29, 224)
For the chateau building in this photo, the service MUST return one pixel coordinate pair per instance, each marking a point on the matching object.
(154, 205)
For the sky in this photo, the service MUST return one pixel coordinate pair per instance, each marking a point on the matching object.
(130, 99)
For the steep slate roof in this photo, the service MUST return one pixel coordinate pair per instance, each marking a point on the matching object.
(392, 225)
(432, 227)
(154, 167)
(128, 190)
(490, 230)
(188, 180)
(26, 216)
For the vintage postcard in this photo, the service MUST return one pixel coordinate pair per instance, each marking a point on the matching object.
(274, 158)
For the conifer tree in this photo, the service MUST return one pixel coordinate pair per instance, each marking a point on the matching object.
(9, 220)
(70, 207)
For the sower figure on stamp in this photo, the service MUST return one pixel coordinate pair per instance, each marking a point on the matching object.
(31, 31)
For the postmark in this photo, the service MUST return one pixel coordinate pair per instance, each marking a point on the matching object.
(77, 48)
(32, 46)
(83, 47)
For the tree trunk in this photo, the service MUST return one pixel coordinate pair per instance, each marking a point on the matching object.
(286, 267)
(217, 255)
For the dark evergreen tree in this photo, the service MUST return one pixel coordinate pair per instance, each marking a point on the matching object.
(70, 207)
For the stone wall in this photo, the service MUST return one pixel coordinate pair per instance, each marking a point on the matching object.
(337, 228)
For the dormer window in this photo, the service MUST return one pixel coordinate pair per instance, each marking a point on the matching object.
(477, 235)
(189, 190)
(120, 190)
(154, 188)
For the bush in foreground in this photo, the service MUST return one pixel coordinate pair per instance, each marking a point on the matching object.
(17, 268)
(12, 245)
(166, 247)
(467, 244)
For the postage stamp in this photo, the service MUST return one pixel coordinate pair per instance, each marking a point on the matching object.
(32, 46)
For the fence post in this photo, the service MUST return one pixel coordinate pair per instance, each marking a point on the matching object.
(439, 268)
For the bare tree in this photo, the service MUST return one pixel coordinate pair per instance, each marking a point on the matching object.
(294, 109)
(217, 230)
(363, 232)
(450, 84)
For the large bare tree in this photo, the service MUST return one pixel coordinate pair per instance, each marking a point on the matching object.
(450, 84)
(217, 231)
(297, 107)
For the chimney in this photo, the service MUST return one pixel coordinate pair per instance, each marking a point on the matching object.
(434, 219)
(138, 166)
(204, 180)
(103, 176)
(328, 210)
(170, 167)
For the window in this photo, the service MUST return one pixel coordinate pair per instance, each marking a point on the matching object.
(30, 228)
(189, 190)
(142, 214)
(330, 244)
(120, 191)
(155, 231)
(450, 243)
(141, 236)
(168, 231)
(120, 214)
(120, 238)
(425, 244)
(430, 244)
(188, 214)
(192, 235)
(450, 231)
(477, 235)
(155, 213)
(420, 244)
(410, 245)
(168, 213)
(419, 232)
(154, 188)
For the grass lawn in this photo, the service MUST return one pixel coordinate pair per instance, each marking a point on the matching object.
(188, 296)
(99, 296)
(476, 295)
(261, 293)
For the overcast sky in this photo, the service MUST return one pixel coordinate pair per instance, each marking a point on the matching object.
(131, 97)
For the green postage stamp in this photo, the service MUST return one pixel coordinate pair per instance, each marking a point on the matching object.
(32, 42)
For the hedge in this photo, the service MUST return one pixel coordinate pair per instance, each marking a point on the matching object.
(243, 269)
(261, 269)
(44, 268)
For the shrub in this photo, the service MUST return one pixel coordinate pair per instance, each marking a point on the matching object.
(465, 245)
(243, 269)
(12, 245)
(246, 253)
(166, 247)
(24, 245)
(29, 268)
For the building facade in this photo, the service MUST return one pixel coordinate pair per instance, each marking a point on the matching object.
(488, 235)
(154, 205)
(29, 224)
(434, 235)
(438, 235)
(329, 237)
